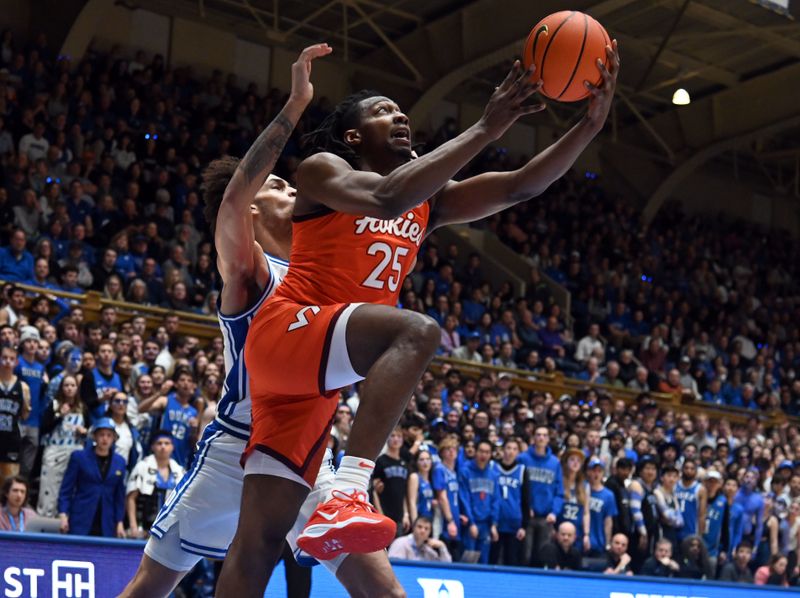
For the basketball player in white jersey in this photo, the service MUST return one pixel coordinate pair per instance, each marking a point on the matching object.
(251, 220)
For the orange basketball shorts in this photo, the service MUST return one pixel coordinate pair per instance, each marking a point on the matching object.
(296, 358)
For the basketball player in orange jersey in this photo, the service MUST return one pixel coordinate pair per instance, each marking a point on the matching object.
(363, 208)
(249, 212)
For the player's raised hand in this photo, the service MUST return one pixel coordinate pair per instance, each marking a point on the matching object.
(508, 102)
(302, 89)
(603, 94)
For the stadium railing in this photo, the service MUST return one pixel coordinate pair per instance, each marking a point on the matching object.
(206, 328)
(558, 384)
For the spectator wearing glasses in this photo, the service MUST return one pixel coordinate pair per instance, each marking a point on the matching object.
(127, 445)
(342, 423)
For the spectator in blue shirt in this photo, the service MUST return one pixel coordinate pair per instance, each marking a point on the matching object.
(735, 517)
(41, 275)
(125, 265)
(474, 307)
(552, 339)
(481, 506)
(178, 414)
(446, 489)
(715, 515)
(619, 323)
(546, 490)
(101, 382)
(441, 310)
(16, 262)
(713, 393)
(592, 372)
(513, 510)
(752, 503)
(602, 509)
(745, 398)
(503, 331)
(78, 206)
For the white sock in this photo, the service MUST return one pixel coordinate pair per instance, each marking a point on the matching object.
(326, 475)
(353, 474)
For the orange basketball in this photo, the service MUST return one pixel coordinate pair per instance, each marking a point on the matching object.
(565, 47)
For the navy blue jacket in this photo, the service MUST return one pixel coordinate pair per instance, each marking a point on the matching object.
(83, 491)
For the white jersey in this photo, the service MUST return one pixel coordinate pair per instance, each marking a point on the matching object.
(233, 409)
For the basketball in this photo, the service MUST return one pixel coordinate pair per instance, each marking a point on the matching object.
(565, 47)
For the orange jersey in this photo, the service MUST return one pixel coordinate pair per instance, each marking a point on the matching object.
(344, 258)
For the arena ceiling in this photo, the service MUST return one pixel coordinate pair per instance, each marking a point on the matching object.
(739, 60)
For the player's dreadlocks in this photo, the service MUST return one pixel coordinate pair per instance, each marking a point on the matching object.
(329, 137)
(216, 177)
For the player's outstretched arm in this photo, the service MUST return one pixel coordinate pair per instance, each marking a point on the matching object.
(329, 180)
(492, 192)
(234, 236)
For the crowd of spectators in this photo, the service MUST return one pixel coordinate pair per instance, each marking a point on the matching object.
(585, 482)
(100, 189)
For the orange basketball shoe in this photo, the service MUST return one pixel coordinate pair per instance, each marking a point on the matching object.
(345, 523)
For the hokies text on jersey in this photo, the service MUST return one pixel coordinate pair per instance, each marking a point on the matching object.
(403, 227)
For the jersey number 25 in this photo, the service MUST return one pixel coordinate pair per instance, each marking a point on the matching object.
(375, 280)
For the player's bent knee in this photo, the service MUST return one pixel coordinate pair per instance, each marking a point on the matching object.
(424, 333)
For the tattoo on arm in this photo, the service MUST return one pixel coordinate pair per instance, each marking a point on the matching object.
(264, 153)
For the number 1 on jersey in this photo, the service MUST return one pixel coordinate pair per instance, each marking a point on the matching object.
(374, 280)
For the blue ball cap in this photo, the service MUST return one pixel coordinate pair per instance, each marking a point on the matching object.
(595, 462)
(786, 464)
(104, 423)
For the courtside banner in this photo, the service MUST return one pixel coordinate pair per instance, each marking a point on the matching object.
(53, 566)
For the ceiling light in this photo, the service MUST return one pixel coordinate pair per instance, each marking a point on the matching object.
(681, 97)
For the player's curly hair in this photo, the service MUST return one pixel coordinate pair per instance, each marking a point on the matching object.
(329, 136)
(216, 177)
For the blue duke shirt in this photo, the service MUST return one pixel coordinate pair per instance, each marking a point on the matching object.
(687, 504)
(601, 505)
(176, 419)
(446, 479)
(510, 484)
(32, 373)
(425, 498)
(714, 516)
